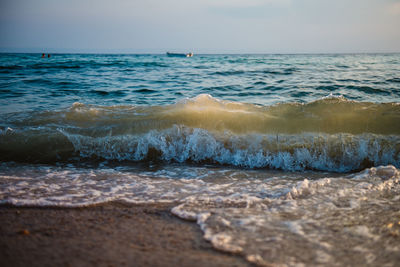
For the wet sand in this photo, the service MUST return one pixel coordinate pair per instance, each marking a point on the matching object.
(113, 234)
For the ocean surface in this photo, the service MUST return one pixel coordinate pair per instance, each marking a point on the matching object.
(287, 160)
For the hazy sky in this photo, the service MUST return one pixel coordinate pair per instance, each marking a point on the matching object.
(201, 26)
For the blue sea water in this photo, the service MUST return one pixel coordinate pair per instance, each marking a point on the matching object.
(29, 82)
(284, 159)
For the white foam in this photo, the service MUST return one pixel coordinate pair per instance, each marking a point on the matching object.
(239, 211)
(336, 152)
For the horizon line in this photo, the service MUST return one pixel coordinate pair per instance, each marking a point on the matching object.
(201, 53)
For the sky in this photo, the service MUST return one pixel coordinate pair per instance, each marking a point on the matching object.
(200, 26)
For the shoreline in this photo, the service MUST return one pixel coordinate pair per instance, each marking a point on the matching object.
(110, 234)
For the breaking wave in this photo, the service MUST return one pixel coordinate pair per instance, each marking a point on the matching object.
(330, 134)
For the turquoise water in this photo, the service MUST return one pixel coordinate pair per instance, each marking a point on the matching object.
(283, 159)
(28, 82)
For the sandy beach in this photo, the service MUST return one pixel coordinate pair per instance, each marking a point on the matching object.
(113, 234)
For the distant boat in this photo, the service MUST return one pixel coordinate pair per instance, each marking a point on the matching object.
(179, 54)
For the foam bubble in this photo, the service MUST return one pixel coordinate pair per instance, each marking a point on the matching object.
(264, 216)
(338, 152)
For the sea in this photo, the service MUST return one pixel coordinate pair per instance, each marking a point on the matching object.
(285, 160)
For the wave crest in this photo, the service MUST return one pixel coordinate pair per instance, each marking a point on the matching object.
(337, 152)
(332, 134)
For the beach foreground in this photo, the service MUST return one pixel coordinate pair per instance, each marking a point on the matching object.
(112, 234)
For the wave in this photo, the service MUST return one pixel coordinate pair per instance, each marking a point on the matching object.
(11, 67)
(286, 71)
(331, 134)
(328, 115)
(115, 93)
(339, 152)
(393, 80)
(368, 89)
(85, 64)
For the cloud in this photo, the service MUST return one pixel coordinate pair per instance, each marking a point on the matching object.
(394, 8)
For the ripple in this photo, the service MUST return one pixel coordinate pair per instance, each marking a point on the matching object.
(145, 91)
